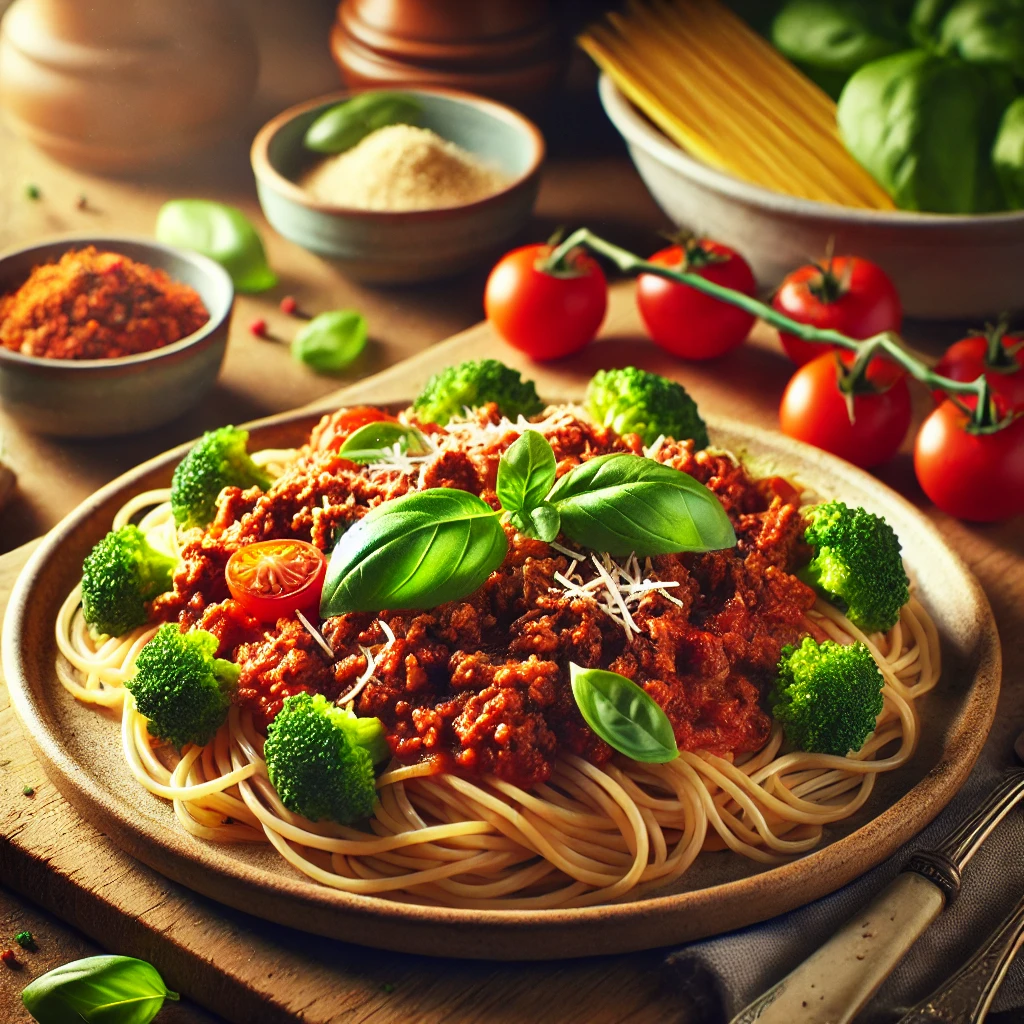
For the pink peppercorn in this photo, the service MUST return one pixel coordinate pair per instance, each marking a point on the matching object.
(258, 327)
(289, 305)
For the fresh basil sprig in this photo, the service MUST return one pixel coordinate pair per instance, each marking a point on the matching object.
(623, 714)
(526, 473)
(625, 504)
(374, 440)
(417, 551)
(107, 989)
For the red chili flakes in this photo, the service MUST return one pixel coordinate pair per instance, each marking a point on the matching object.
(97, 305)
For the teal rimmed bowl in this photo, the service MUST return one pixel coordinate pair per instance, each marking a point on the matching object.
(392, 247)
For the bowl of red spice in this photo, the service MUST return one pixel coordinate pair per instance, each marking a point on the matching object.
(101, 336)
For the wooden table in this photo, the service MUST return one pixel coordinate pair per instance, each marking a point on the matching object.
(236, 965)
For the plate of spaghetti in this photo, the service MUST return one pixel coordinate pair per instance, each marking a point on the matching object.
(491, 677)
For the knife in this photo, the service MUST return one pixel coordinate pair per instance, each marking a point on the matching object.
(834, 983)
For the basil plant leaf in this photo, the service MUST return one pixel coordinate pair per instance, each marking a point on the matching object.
(331, 341)
(374, 440)
(98, 990)
(417, 551)
(526, 472)
(542, 522)
(345, 124)
(624, 504)
(221, 232)
(623, 714)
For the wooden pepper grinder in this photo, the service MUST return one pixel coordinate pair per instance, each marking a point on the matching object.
(507, 49)
(122, 85)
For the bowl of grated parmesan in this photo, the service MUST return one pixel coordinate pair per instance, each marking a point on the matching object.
(407, 202)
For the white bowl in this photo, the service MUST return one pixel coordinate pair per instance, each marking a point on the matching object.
(945, 266)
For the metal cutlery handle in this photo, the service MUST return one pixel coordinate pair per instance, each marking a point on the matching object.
(835, 982)
(966, 997)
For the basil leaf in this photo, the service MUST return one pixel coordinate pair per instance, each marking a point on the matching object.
(625, 504)
(526, 472)
(623, 714)
(221, 232)
(373, 440)
(542, 522)
(331, 341)
(98, 990)
(417, 551)
(342, 126)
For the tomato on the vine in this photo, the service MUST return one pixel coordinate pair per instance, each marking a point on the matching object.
(848, 294)
(273, 579)
(338, 427)
(542, 311)
(686, 322)
(994, 353)
(814, 409)
(970, 474)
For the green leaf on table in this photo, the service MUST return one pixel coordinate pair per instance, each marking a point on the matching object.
(331, 341)
(98, 990)
(221, 232)
(623, 714)
(417, 551)
(344, 125)
(374, 440)
(624, 504)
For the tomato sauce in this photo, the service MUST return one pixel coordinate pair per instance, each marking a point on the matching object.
(481, 685)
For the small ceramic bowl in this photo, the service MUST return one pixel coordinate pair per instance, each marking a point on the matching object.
(108, 397)
(945, 266)
(410, 245)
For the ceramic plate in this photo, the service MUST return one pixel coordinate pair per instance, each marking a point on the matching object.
(80, 750)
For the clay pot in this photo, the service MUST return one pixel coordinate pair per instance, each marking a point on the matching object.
(507, 49)
(122, 85)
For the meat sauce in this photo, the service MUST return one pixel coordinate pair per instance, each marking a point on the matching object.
(481, 685)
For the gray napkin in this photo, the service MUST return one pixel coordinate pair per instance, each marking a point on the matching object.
(743, 964)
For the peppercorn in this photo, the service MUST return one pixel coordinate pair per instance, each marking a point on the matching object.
(28, 791)
(289, 305)
(9, 959)
(33, 192)
(26, 940)
(258, 328)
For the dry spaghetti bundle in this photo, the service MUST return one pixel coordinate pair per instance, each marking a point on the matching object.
(726, 96)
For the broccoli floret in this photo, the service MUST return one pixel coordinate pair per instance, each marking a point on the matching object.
(472, 384)
(218, 459)
(320, 759)
(181, 687)
(633, 401)
(857, 564)
(827, 696)
(119, 576)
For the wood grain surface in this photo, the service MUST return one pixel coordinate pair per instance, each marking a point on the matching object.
(248, 971)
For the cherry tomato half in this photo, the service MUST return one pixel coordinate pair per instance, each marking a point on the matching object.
(273, 579)
(966, 360)
(814, 410)
(850, 295)
(546, 315)
(332, 432)
(968, 475)
(686, 322)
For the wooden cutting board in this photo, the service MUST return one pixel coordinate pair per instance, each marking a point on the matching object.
(250, 972)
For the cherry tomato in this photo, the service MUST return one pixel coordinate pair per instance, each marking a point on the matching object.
(687, 322)
(970, 475)
(849, 295)
(272, 579)
(966, 360)
(814, 410)
(546, 315)
(332, 434)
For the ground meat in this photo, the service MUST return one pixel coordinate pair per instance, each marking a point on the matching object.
(284, 661)
(481, 685)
